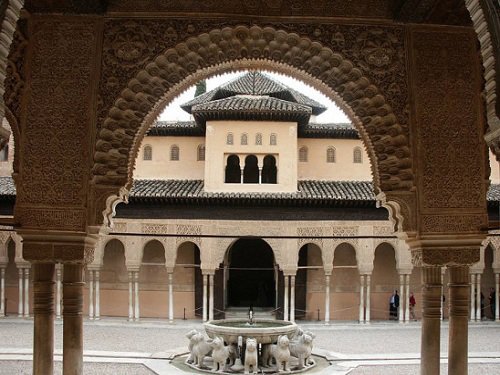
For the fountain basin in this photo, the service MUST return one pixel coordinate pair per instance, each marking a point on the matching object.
(265, 331)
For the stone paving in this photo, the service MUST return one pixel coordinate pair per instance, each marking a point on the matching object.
(115, 346)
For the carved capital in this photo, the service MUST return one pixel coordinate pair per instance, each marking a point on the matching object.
(444, 255)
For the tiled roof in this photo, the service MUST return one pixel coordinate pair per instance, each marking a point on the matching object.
(494, 193)
(173, 128)
(328, 130)
(251, 108)
(255, 83)
(7, 187)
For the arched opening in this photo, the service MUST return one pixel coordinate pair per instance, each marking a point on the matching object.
(269, 170)
(251, 170)
(11, 280)
(251, 274)
(385, 281)
(344, 284)
(488, 285)
(187, 282)
(114, 280)
(153, 279)
(233, 170)
(148, 153)
(309, 283)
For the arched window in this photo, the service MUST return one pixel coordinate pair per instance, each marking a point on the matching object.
(251, 171)
(273, 139)
(244, 139)
(269, 170)
(201, 153)
(233, 170)
(258, 139)
(4, 154)
(356, 155)
(303, 154)
(330, 155)
(230, 139)
(174, 153)
(148, 153)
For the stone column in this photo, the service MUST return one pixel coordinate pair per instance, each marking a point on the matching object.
(130, 296)
(211, 297)
(20, 302)
(97, 295)
(58, 291)
(73, 276)
(368, 298)
(91, 294)
(472, 297)
(431, 323)
(170, 297)
(361, 298)
(292, 298)
(285, 302)
(407, 310)
(442, 292)
(327, 299)
(136, 295)
(497, 309)
(276, 288)
(2, 291)
(402, 297)
(26, 293)
(478, 297)
(205, 296)
(43, 310)
(459, 306)
(260, 175)
(242, 175)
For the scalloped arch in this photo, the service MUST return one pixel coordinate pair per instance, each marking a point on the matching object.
(239, 48)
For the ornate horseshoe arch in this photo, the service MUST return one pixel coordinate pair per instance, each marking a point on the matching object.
(238, 48)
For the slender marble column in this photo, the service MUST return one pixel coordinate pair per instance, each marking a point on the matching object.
(276, 289)
(361, 298)
(170, 297)
(58, 292)
(2, 291)
(26, 292)
(136, 294)
(20, 304)
(368, 298)
(91, 295)
(478, 297)
(497, 309)
(260, 175)
(73, 276)
(431, 323)
(285, 313)
(43, 311)
(407, 298)
(442, 293)
(402, 297)
(211, 297)
(327, 299)
(242, 174)
(292, 298)
(472, 297)
(205, 296)
(130, 297)
(459, 313)
(97, 295)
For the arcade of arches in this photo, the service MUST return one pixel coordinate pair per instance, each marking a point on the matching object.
(92, 84)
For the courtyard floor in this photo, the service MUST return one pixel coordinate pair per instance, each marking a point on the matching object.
(115, 346)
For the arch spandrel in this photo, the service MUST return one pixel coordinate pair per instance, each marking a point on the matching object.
(348, 83)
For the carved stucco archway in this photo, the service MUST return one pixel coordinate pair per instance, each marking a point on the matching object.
(238, 48)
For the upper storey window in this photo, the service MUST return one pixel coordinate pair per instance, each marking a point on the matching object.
(174, 153)
(230, 139)
(303, 154)
(330, 155)
(201, 153)
(233, 171)
(148, 153)
(244, 139)
(273, 139)
(258, 139)
(357, 156)
(269, 171)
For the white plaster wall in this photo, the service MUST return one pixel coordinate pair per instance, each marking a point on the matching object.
(162, 168)
(495, 169)
(217, 150)
(316, 168)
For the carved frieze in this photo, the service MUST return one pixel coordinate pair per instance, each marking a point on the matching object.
(445, 256)
(155, 228)
(453, 223)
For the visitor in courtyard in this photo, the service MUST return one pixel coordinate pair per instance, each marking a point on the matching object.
(393, 306)
(492, 302)
(412, 303)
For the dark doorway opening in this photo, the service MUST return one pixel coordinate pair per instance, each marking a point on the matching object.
(251, 280)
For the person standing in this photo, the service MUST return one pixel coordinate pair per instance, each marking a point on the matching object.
(412, 304)
(393, 305)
